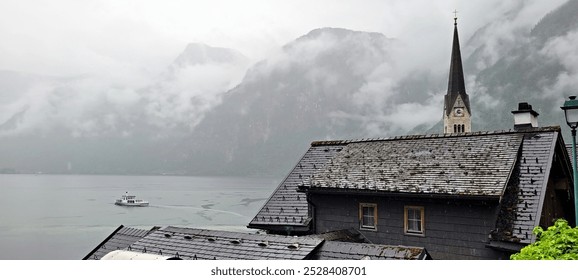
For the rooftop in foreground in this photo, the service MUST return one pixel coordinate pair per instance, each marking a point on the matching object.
(200, 244)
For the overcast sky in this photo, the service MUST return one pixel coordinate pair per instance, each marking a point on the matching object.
(71, 37)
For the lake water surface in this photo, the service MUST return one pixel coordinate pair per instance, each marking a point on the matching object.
(66, 216)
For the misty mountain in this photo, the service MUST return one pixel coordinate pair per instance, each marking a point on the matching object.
(191, 86)
(313, 89)
(540, 70)
(335, 84)
(86, 124)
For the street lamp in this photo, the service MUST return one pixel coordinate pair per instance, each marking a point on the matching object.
(571, 113)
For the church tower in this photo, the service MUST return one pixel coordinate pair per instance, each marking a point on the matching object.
(457, 112)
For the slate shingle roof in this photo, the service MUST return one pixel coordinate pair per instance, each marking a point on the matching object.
(460, 164)
(536, 159)
(202, 244)
(120, 238)
(286, 207)
(522, 205)
(336, 250)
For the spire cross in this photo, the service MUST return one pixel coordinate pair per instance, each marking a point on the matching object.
(455, 17)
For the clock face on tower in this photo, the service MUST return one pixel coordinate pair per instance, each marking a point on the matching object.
(459, 112)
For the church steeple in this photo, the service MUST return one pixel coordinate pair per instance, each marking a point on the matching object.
(457, 111)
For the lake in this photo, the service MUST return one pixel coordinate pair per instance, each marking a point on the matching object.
(66, 216)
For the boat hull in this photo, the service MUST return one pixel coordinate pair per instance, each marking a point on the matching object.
(140, 204)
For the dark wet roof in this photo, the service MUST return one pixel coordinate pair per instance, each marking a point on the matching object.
(120, 238)
(286, 207)
(466, 165)
(336, 250)
(522, 204)
(536, 159)
(202, 244)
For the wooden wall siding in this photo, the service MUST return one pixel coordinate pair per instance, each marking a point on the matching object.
(453, 229)
(551, 209)
(558, 201)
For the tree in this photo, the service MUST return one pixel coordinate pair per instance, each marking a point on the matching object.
(558, 242)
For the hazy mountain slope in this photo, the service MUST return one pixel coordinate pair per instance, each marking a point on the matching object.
(268, 121)
(89, 125)
(557, 23)
(540, 70)
(312, 90)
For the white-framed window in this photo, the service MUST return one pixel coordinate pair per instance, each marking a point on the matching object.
(414, 220)
(368, 216)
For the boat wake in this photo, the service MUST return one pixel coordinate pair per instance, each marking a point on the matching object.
(204, 209)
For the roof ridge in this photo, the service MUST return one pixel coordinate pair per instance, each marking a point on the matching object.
(554, 128)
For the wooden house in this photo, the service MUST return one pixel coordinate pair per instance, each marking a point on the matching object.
(460, 194)
(467, 195)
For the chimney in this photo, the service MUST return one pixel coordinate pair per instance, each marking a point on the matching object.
(525, 117)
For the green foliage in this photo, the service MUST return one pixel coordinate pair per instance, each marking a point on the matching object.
(558, 242)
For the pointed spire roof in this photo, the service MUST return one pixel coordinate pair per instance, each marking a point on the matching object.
(456, 85)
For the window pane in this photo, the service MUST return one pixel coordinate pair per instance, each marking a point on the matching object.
(413, 225)
(367, 211)
(368, 216)
(367, 221)
(414, 220)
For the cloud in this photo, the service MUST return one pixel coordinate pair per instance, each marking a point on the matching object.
(563, 51)
(391, 102)
(189, 93)
(508, 27)
(82, 106)
(109, 105)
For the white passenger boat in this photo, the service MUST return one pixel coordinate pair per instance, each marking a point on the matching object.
(130, 200)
